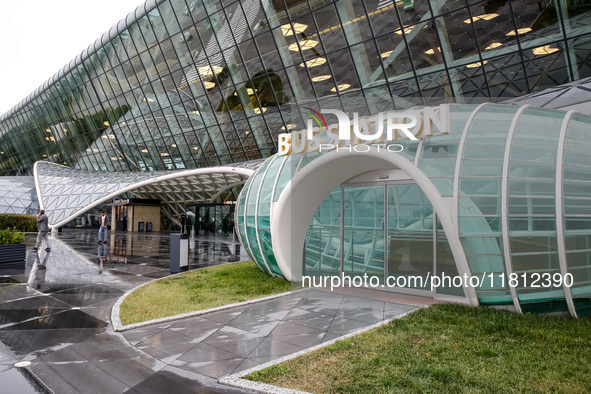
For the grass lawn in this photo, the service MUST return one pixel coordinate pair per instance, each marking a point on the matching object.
(449, 349)
(200, 289)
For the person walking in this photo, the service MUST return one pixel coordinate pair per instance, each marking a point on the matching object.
(225, 225)
(43, 227)
(104, 227)
(183, 224)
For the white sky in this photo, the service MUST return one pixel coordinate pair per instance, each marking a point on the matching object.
(39, 37)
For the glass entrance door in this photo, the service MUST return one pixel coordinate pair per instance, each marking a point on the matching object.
(363, 231)
(214, 220)
(410, 236)
(382, 230)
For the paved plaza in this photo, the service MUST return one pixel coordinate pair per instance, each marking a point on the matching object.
(56, 314)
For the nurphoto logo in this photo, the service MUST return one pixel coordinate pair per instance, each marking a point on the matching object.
(361, 133)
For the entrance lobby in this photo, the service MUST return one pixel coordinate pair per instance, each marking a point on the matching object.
(380, 228)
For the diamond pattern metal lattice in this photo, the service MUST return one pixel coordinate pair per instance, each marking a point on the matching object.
(67, 192)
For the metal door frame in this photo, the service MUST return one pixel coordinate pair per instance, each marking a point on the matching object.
(425, 293)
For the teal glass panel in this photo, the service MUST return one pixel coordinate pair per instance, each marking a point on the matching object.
(482, 245)
(322, 252)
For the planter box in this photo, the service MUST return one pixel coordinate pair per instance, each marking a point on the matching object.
(13, 253)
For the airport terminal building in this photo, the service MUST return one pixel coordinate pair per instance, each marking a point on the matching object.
(183, 102)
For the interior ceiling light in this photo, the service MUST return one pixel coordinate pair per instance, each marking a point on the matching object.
(144, 151)
(208, 70)
(321, 78)
(65, 129)
(519, 31)
(259, 110)
(544, 50)
(173, 145)
(341, 87)
(477, 64)
(195, 148)
(249, 91)
(147, 99)
(49, 131)
(431, 51)
(306, 44)
(314, 62)
(114, 158)
(298, 27)
(386, 54)
(406, 30)
(196, 112)
(164, 154)
(485, 17)
(209, 85)
(288, 127)
(106, 123)
(493, 46)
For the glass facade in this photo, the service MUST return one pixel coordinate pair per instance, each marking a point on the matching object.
(193, 83)
(519, 181)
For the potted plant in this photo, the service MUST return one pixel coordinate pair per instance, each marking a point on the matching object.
(12, 247)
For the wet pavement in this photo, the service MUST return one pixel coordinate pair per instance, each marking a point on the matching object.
(55, 313)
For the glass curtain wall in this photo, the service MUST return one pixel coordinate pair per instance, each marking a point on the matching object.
(195, 83)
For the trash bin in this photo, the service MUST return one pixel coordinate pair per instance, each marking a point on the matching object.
(149, 226)
(179, 253)
(140, 226)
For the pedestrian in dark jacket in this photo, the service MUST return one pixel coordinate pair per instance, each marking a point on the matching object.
(43, 227)
(104, 227)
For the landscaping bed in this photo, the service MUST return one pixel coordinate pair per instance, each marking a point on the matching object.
(449, 348)
(200, 289)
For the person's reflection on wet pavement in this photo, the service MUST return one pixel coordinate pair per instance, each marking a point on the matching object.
(37, 274)
(102, 255)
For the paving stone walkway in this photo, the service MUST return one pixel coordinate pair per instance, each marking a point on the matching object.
(55, 313)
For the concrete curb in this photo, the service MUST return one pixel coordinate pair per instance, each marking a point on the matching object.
(237, 381)
(119, 327)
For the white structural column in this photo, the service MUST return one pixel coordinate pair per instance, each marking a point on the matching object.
(504, 206)
(456, 189)
(279, 169)
(568, 295)
(310, 186)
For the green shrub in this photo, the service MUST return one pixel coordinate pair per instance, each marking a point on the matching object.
(25, 223)
(11, 236)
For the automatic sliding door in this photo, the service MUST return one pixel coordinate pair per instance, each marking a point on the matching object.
(410, 236)
(363, 231)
